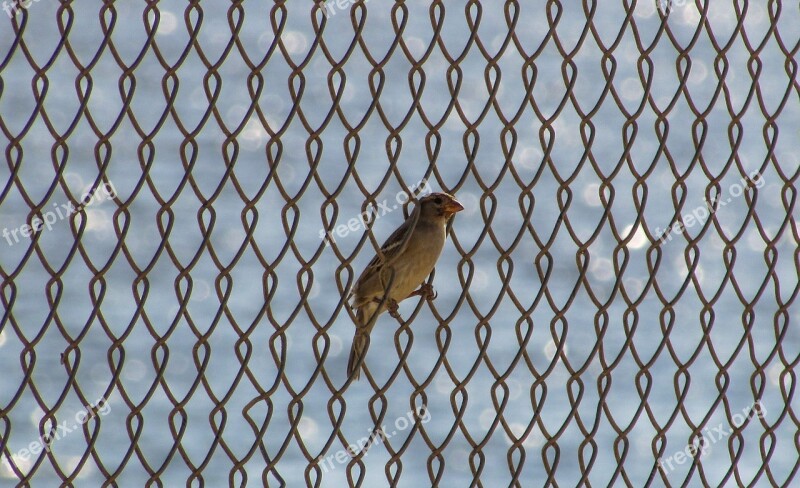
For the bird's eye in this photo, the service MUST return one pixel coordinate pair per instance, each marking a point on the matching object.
(438, 200)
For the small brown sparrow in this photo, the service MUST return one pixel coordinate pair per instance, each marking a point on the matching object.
(404, 262)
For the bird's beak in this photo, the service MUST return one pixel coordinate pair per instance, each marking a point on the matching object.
(452, 207)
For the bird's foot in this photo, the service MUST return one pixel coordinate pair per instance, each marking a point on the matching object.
(426, 291)
(391, 307)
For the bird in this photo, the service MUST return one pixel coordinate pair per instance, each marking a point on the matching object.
(403, 263)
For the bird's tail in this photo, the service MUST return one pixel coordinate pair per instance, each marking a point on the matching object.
(364, 322)
(357, 352)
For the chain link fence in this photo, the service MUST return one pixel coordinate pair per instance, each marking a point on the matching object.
(190, 189)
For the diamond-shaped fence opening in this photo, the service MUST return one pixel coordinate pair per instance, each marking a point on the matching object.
(191, 190)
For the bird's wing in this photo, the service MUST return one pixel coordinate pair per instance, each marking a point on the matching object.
(390, 250)
(397, 242)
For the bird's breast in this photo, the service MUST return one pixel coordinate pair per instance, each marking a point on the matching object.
(417, 262)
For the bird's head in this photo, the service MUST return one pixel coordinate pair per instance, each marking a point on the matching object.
(440, 205)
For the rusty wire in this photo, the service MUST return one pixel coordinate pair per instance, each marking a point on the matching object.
(573, 269)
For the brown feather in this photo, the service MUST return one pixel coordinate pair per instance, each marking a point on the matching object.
(407, 258)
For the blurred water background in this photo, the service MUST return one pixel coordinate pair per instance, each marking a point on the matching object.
(179, 362)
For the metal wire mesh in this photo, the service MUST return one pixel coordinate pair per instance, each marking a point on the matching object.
(191, 188)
